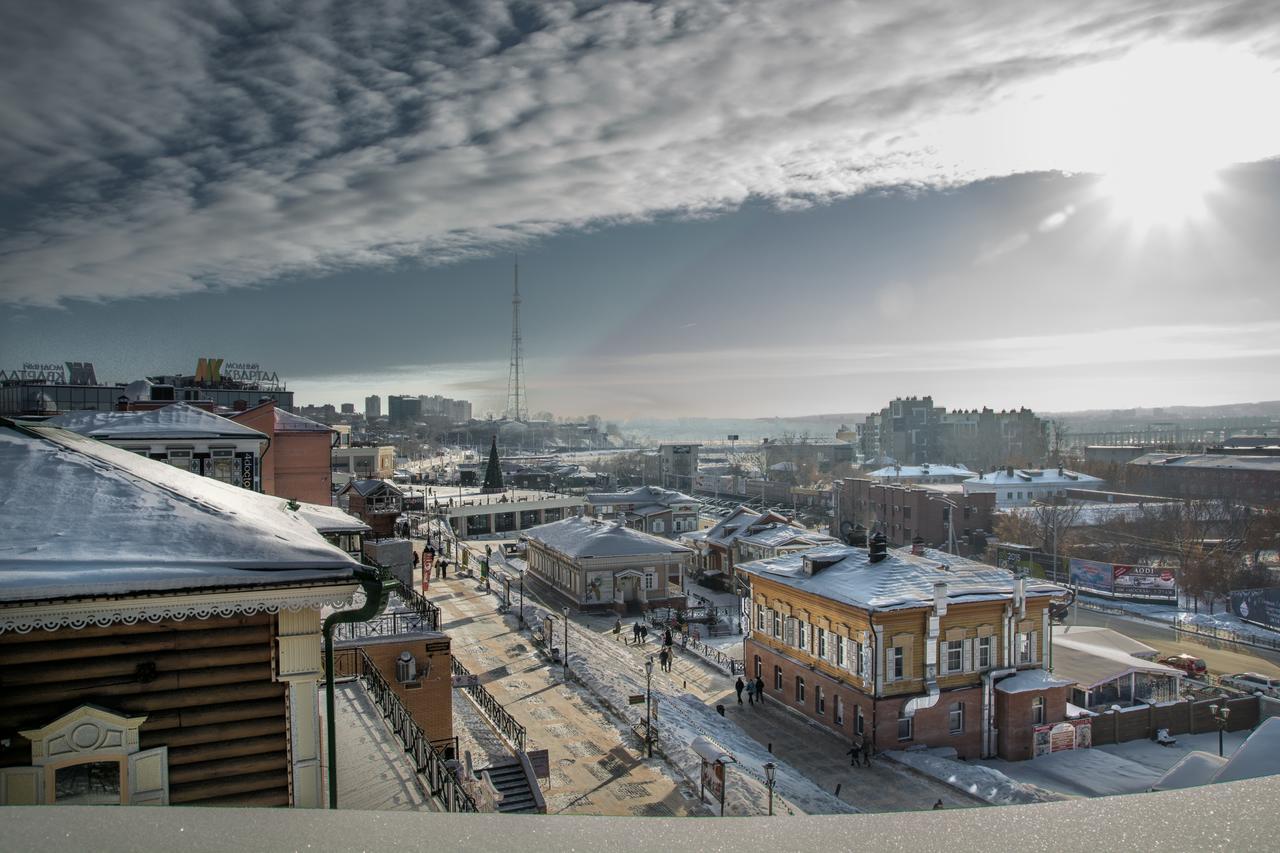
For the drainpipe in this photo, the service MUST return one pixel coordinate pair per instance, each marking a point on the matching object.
(989, 708)
(376, 592)
(932, 693)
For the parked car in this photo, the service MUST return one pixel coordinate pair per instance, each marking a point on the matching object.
(1190, 664)
(1252, 682)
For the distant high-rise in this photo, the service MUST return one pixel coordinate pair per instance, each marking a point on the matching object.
(517, 404)
(372, 407)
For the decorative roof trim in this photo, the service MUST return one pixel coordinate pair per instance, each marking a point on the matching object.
(128, 611)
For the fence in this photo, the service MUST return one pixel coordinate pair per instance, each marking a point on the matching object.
(428, 759)
(491, 707)
(386, 625)
(427, 612)
(1178, 717)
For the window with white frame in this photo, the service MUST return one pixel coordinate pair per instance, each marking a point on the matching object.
(955, 656)
(1026, 647)
(802, 634)
(648, 580)
(905, 728)
(819, 700)
(799, 690)
(777, 623)
(955, 718)
(840, 650)
(1037, 711)
(839, 716)
(897, 663)
(984, 652)
(659, 525)
(822, 643)
(777, 678)
(760, 618)
(857, 720)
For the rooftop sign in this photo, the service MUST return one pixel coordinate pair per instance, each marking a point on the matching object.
(53, 373)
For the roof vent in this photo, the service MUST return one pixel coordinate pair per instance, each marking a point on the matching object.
(917, 546)
(878, 549)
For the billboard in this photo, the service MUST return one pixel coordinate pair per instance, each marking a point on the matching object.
(1260, 606)
(1124, 581)
(1144, 582)
(1092, 575)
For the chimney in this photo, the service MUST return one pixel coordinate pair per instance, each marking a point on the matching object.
(240, 405)
(878, 549)
(940, 598)
(1009, 471)
(917, 546)
(857, 537)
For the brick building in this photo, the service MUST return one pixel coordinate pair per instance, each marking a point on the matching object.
(903, 512)
(662, 512)
(1247, 478)
(905, 649)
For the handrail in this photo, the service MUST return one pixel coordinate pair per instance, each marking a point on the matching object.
(414, 600)
(441, 783)
(491, 707)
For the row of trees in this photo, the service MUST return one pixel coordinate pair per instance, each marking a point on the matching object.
(1213, 546)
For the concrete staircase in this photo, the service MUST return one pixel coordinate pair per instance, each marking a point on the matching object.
(515, 788)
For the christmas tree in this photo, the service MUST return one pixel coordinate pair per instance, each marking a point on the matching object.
(493, 473)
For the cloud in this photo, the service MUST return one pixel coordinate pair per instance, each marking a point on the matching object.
(160, 148)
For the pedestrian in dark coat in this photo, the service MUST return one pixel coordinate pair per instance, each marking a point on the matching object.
(662, 660)
(666, 637)
(866, 753)
(738, 687)
(751, 692)
(760, 688)
(635, 633)
(644, 633)
(853, 753)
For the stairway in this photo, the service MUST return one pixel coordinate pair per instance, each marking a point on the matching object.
(514, 786)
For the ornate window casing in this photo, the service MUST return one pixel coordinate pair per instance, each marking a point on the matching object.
(105, 746)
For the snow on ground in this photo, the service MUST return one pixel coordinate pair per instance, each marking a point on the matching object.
(612, 673)
(1125, 768)
(1216, 624)
(983, 782)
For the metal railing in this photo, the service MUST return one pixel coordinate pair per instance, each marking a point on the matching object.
(386, 625)
(428, 761)
(713, 656)
(425, 610)
(491, 707)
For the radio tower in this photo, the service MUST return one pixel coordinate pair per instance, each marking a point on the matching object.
(517, 402)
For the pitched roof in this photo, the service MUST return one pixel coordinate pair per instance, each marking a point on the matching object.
(84, 518)
(642, 495)
(289, 422)
(900, 580)
(370, 487)
(583, 536)
(776, 535)
(1090, 665)
(741, 522)
(177, 421)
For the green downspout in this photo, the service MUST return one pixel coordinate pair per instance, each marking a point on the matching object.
(376, 592)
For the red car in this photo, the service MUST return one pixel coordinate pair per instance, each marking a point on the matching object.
(1190, 664)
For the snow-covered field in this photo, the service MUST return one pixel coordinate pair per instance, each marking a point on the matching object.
(983, 782)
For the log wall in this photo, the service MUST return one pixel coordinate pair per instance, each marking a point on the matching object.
(205, 685)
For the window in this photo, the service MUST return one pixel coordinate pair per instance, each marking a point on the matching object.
(819, 700)
(759, 667)
(840, 651)
(897, 663)
(955, 656)
(648, 581)
(659, 526)
(906, 513)
(857, 720)
(777, 678)
(799, 690)
(822, 643)
(1009, 496)
(839, 710)
(984, 652)
(1027, 647)
(1037, 711)
(760, 618)
(955, 717)
(802, 635)
(904, 728)
(777, 623)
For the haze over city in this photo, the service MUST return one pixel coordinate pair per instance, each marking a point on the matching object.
(1068, 206)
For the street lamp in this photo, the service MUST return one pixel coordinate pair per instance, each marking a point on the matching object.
(1220, 714)
(566, 642)
(648, 688)
(769, 770)
(522, 599)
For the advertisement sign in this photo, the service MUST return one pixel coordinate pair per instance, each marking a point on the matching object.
(1092, 575)
(713, 779)
(1144, 582)
(246, 471)
(1260, 606)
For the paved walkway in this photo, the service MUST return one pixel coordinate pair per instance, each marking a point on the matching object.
(594, 765)
(373, 771)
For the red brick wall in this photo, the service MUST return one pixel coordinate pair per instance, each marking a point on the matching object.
(1014, 721)
(880, 718)
(430, 701)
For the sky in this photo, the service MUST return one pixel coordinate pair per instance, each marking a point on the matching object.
(727, 209)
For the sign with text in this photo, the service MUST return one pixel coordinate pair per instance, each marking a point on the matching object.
(1144, 582)
(1092, 575)
(1261, 606)
(213, 371)
(53, 373)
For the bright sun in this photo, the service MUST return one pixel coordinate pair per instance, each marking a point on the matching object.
(1155, 195)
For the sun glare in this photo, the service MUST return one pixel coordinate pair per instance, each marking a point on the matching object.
(1151, 195)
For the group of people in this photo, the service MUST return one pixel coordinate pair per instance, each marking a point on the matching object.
(640, 635)
(861, 749)
(753, 688)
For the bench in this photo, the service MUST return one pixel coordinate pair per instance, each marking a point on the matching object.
(639, 730)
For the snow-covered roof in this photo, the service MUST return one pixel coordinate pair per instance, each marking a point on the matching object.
(84, 518)
(1209, 460)
(1088, 636)
(583, 536)
(1032, 476)
(1259, 755)
(331, 519)
(905, 471)
(743, 521)
(1089, 665)
(900, 580)
(287, 421)
(177, 421)
(1031, 680)
(370, 487)
(642, 495)
(776, 535)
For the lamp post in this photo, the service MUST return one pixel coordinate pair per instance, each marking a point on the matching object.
(522, 599)
(566, 642)
(769, 770)
(648, 693)
(1220, 714)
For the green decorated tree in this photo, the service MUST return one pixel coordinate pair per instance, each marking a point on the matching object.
(493, 472)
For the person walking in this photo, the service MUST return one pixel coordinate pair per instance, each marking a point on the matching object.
(854, 752)
(760, 689)
(663, 657)
(635, 633)
(666, 638)
(866, 753)
(617, 630)
(751, 692)
(644, 634)
(738, 687)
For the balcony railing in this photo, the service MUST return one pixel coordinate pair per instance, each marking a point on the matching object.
(492, 708)
(433, 771)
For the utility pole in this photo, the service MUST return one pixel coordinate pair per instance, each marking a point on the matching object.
(517, 402)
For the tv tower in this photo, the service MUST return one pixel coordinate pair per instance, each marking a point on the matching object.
(517, 401)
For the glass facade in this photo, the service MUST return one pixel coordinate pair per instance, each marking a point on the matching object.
(33, 398)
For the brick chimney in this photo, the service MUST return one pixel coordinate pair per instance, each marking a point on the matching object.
(917, 546)
(878, 549)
